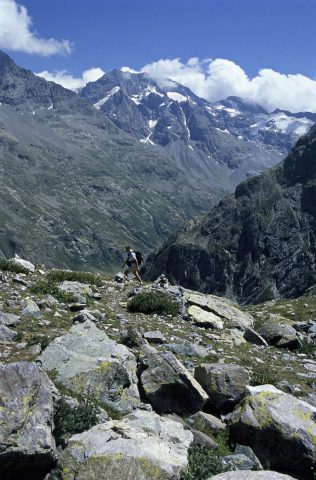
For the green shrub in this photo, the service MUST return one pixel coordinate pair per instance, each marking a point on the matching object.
(309, 348)
(69, 421)
(42, 341)
(131, 338)
(49, 286)
(82, 277)
(203, 463)
(9, 266)
(153, 302)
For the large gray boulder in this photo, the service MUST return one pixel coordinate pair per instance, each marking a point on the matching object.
(9, 319)
(222, 309)
(7, 333)
(30, 309)
(168, 386)
(280, 429)
(224, 383)
(142, 446)
(88, 363)
(23, 263)
(27, 446)
(279, 335)
(251, 475)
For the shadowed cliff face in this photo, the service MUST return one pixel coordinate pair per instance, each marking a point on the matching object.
(257, 244)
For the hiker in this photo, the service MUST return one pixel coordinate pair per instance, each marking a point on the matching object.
(132, 265)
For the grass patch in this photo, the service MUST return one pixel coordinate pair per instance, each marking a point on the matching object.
(9, 266)
(203, 463)
(43, 341)
(309, 348)
(82, 277)
(50, 287)
(153, 302)
(264, 375)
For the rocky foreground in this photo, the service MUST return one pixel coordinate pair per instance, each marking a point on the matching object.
(93, 387)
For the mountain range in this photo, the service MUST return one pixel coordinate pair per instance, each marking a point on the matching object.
(125, 161)
(257, 244)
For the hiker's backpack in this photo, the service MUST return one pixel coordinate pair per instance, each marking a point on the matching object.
(139, 257)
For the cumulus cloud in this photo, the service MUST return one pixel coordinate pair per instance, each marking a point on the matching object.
(219, 78)
(68, 81)
(16, 33)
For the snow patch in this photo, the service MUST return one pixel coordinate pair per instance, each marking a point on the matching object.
(177, 97)
(152, 123)
(51, 107)
(103, 100)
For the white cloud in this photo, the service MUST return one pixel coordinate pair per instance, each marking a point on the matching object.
(16, 34)
(217, 79)
(68, 81)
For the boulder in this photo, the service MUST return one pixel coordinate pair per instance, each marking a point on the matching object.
(186, 349)
(27, 446)
(231, 316)
(200, 438)
(23, 263)
(224, 383)
(79, 290)
(250, 454)
(9, 319)
(83, 316)
(7, 333)
(142, 446)
(88, 363)
(47, 301)
(253, 337)
(203, 318)
(280, 429)
(168, 386)
(30, 309)
(237, 461)
(206, 422)
(154, 337)
(251, 475)
(279, 335)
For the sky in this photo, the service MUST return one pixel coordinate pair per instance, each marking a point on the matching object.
(261, 50)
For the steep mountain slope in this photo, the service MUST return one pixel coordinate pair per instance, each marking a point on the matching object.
(257, 244)
(75, 185)
(222, 143)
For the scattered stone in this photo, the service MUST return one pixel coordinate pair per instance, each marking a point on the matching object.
(154, 337)
(224, 383)
(83, 316)
(26, 419)
(250, 454)
(47, 301)
(88, 363)
(19, 280)
(142, 446)
(200, 438)
(77, 307)
(7, 333)
(236, 337)
(96, 296)
(168, 386)
(237, 461)
(30, 309)
(280, 428)
(119, 278)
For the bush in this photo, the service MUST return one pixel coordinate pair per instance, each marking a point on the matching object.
(82, 277)
(9, 266)
(264, 375)
(42, 341)
(48, 286)
(153, 302)
(69, 420)
(203, 463)
(309, 348)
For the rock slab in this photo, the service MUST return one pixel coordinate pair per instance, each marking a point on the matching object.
(142, 446)
(27, 446)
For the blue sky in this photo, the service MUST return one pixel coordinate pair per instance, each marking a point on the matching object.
(254, 34)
